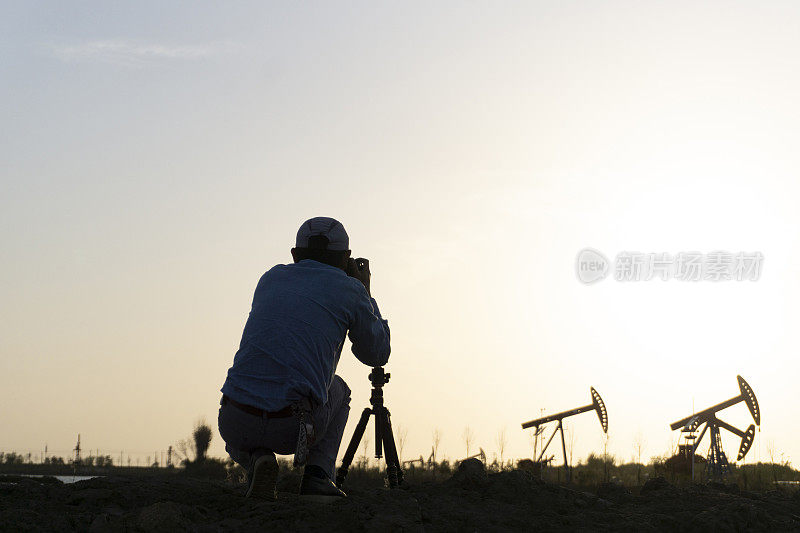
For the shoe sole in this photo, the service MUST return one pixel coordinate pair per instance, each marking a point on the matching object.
(319, 498)
(265, 475)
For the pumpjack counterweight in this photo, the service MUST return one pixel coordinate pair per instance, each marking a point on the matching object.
(597, 405)
(717, 463)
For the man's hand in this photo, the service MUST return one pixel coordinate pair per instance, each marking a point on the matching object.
(359, 268)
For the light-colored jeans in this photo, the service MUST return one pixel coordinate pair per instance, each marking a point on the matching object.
(246, 435)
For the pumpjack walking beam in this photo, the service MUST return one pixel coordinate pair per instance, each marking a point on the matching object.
(746, 395)
(596, 405)
(384, 438)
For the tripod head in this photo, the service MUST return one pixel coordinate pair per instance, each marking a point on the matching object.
(378, 377)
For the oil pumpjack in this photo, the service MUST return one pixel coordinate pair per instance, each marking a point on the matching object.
(717, 465)
(597, 405)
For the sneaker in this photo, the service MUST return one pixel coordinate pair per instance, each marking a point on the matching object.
(263, 478)
(319, 490)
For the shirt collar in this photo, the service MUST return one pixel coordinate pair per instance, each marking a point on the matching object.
(317, 264)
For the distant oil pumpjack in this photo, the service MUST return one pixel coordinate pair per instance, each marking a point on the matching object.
(597, 405)
(717, 463)
(481, 455)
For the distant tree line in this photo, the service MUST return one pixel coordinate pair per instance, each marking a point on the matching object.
(14, 458)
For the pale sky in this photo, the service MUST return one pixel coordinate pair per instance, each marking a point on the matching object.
(156, 158)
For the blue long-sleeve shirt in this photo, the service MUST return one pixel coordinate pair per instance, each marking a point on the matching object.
(294, 335)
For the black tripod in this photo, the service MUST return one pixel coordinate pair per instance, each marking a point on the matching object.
(383, 433)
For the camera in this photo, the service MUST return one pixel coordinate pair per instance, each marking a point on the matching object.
(357, 266)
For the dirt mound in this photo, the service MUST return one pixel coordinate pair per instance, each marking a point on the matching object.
(471, 499)
(613, 491)
(656, 484)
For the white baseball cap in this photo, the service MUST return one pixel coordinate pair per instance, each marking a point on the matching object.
(326, 227)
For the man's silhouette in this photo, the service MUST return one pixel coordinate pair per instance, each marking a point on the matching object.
(286, 363)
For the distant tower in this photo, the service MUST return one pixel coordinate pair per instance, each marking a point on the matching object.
(77, 450)
(169, 456)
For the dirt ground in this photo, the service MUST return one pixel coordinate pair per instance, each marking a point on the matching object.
(471, 500)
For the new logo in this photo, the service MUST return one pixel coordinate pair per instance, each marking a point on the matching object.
(591, 266)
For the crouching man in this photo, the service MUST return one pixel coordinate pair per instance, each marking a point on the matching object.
(282, 391)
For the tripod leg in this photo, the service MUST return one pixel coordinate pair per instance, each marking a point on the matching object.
(393, 470)
(347, 460)
(380, 430)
